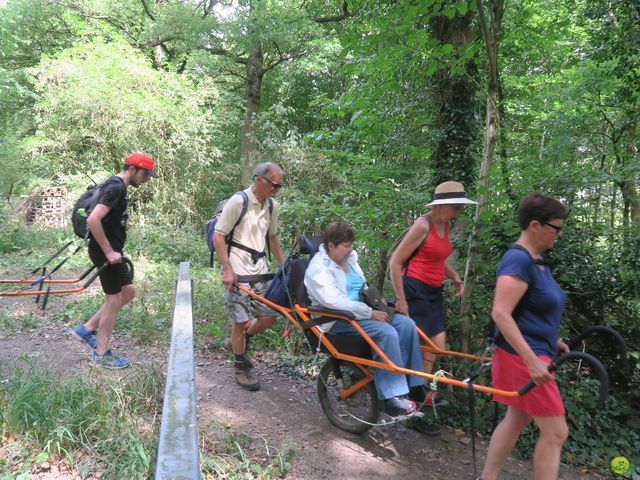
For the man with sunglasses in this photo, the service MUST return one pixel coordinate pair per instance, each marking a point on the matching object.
(243, 261)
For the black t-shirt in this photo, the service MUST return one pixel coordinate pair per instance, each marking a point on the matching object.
(114, 195)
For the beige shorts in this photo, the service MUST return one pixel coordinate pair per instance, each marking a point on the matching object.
(243, 307)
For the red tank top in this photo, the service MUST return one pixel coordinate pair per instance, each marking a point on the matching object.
(428, 264)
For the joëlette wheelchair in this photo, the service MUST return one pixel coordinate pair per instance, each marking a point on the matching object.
(345, 385)
(30, 286)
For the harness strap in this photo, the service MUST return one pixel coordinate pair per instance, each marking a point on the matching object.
(472, 424)
(314, 322)
(263, 277)
(255, 255)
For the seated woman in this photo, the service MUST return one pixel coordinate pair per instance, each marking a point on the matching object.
(334, 280)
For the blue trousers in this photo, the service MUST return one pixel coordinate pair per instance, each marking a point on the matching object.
(399, 341)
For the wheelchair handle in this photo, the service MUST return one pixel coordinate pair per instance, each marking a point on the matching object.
(603, 329)
(603, 377)
(125, 260)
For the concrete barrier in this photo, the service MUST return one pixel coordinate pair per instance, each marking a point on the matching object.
(178, 456)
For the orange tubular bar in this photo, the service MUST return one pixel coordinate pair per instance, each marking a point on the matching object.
(433, 348)
(384, 363)
(61, 280)
(45, 280)
(41, 292)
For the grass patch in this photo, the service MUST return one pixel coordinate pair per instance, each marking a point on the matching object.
(228, 455)
(101, 424)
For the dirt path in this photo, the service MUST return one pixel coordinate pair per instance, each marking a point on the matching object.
(284, 413)
(286, 410)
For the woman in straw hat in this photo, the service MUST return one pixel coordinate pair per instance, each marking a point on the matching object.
(419, 267)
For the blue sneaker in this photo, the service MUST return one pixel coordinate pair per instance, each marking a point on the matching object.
(86, 336)
(108, 360)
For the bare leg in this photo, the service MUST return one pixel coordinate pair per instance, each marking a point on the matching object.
(93, 322)
(427, 357)
(238, 343)
(503, 440)
(107, 321)
(546, 456)
(260, 324)
(126, 295)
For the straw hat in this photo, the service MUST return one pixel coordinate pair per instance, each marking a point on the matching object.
(450, 193)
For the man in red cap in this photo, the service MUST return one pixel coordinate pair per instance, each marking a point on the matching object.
(107, 223)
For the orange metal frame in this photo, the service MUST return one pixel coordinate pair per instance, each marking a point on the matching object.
(41, 281)
(304, 314)
(42, 292)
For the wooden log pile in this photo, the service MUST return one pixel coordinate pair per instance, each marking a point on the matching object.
(48, 208)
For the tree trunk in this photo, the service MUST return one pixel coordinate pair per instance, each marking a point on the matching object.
(382, 264)
(248, 139)
(158, 57)
(453, 155)
(630, 191)
(491, 34)
(631, 202)
(503, 158)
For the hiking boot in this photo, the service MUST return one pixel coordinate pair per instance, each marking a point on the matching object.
(108, 360)
(86, 336)
(424, 425)
(226, 344)
(245, 378)
(396, 406)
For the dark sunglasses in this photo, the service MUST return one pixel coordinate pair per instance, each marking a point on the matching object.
(555, 227)
(275, 185)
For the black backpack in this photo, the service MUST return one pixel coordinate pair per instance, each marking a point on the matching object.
(210, 228)
(83, 207)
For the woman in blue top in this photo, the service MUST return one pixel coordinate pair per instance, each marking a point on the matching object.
(527, 308)
(333, 280)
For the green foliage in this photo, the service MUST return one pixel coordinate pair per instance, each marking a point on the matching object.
(224, 457)
(169, 246)
(70, 418)
(366, 115)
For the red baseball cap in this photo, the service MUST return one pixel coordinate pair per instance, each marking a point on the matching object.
(141, 160)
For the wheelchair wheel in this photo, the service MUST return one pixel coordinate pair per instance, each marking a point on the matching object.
(355, 413)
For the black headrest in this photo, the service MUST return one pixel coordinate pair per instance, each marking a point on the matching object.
(309, 245)
(297, 269)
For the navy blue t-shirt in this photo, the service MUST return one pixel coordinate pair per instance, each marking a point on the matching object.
(539, 318)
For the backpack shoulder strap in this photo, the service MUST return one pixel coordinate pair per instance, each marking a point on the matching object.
(245, 205)
(255, 255)
(267, 234)
(533, 274)
(533, 267)
(417, 249)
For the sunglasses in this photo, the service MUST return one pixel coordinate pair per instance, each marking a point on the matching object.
(555, 227)
(275, 185)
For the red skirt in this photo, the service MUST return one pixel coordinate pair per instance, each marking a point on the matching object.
(510, 373)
